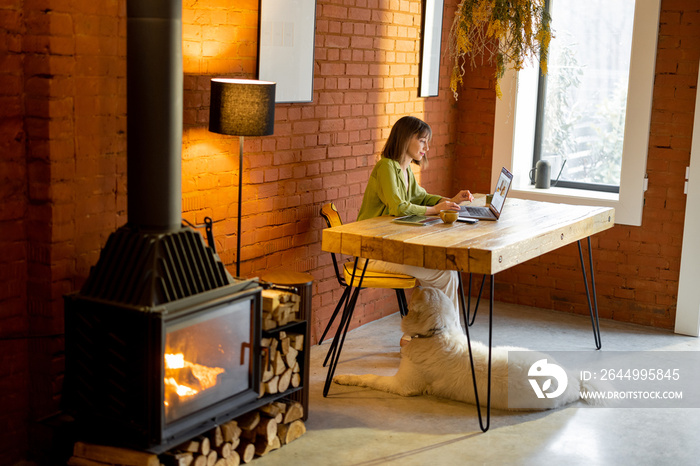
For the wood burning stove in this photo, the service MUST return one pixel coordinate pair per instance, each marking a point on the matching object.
(161, 343)
(152, 378)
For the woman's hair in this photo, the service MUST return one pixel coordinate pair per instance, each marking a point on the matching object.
(400, 136)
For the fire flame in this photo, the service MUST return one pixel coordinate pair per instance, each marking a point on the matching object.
(174, 361)
(189, 378)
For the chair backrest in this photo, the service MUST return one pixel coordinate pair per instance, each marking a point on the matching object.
(330, 213)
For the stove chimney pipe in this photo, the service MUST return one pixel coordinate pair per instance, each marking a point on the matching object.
(154, 114)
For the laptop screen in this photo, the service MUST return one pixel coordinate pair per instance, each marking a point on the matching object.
(502, 187)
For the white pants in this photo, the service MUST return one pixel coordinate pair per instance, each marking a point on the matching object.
(445, 280)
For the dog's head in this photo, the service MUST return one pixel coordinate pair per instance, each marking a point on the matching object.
(430, 309)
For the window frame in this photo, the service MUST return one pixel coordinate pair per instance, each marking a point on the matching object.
(514, 139)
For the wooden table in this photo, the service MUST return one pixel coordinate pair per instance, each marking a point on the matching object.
(526, 229)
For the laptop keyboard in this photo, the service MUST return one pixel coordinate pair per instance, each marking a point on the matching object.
(479, 211)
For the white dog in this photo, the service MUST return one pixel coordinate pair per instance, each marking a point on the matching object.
(436, 362)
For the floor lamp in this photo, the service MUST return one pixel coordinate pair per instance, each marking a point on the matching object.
(241, 107)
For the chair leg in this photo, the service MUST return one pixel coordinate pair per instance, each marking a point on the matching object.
(342, 330)
(344, 318)
(346, 293)
(344, 299)
(340, 338)
(334, 343)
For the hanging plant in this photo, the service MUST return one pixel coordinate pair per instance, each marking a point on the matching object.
(507, 32)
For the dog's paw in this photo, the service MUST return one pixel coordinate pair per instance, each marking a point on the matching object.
(344, 379)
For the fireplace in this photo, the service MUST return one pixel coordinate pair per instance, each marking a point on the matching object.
(152, 378)
(162, 343)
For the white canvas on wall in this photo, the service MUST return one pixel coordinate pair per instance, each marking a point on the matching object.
(286, 48)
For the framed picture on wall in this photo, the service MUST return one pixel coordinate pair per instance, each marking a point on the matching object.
(431, 40)
(286, 48)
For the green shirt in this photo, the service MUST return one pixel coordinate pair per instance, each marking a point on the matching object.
(386, 193)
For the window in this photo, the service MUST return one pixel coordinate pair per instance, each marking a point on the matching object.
(594, 105)
(583, 96)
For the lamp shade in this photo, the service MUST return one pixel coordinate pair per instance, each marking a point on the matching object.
(242, 107)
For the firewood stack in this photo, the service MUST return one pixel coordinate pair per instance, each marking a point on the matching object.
(269, 428)
(279, 308)
(280, 365)
(238, 441)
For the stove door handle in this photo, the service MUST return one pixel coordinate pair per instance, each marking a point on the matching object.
(266, 352)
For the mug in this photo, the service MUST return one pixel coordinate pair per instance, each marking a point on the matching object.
(449, 216)
(541, 174)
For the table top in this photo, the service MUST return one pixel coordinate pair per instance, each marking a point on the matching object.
(526, 229)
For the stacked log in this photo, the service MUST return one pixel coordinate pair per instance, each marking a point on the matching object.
(215, 448)
(279, 308)
(85, 454)
(241, 440)
(280, 367)
(271, 427)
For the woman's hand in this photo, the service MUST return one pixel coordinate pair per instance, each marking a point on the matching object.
(445, 204)
(450, 204)
(462, 196)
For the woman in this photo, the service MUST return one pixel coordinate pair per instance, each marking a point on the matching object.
(392, 190)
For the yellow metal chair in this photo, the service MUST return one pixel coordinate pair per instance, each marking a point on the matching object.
(352, 277)
(372, 279)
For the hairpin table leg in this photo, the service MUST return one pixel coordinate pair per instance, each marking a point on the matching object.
(592, 307)
(485, 427)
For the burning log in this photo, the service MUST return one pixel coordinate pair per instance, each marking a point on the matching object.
(184, 376)
(184, 379)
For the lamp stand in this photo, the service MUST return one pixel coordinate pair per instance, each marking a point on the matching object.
(240, 200)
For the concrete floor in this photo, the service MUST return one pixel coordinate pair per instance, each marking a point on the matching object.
(359, 426)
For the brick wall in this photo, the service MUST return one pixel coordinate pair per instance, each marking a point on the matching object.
(14, 353)
(63, 113)
(63, 142)
(365, 77)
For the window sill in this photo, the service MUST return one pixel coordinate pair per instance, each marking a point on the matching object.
(564, 195)
(554, 192)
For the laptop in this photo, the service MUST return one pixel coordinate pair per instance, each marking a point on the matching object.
(493, 211)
